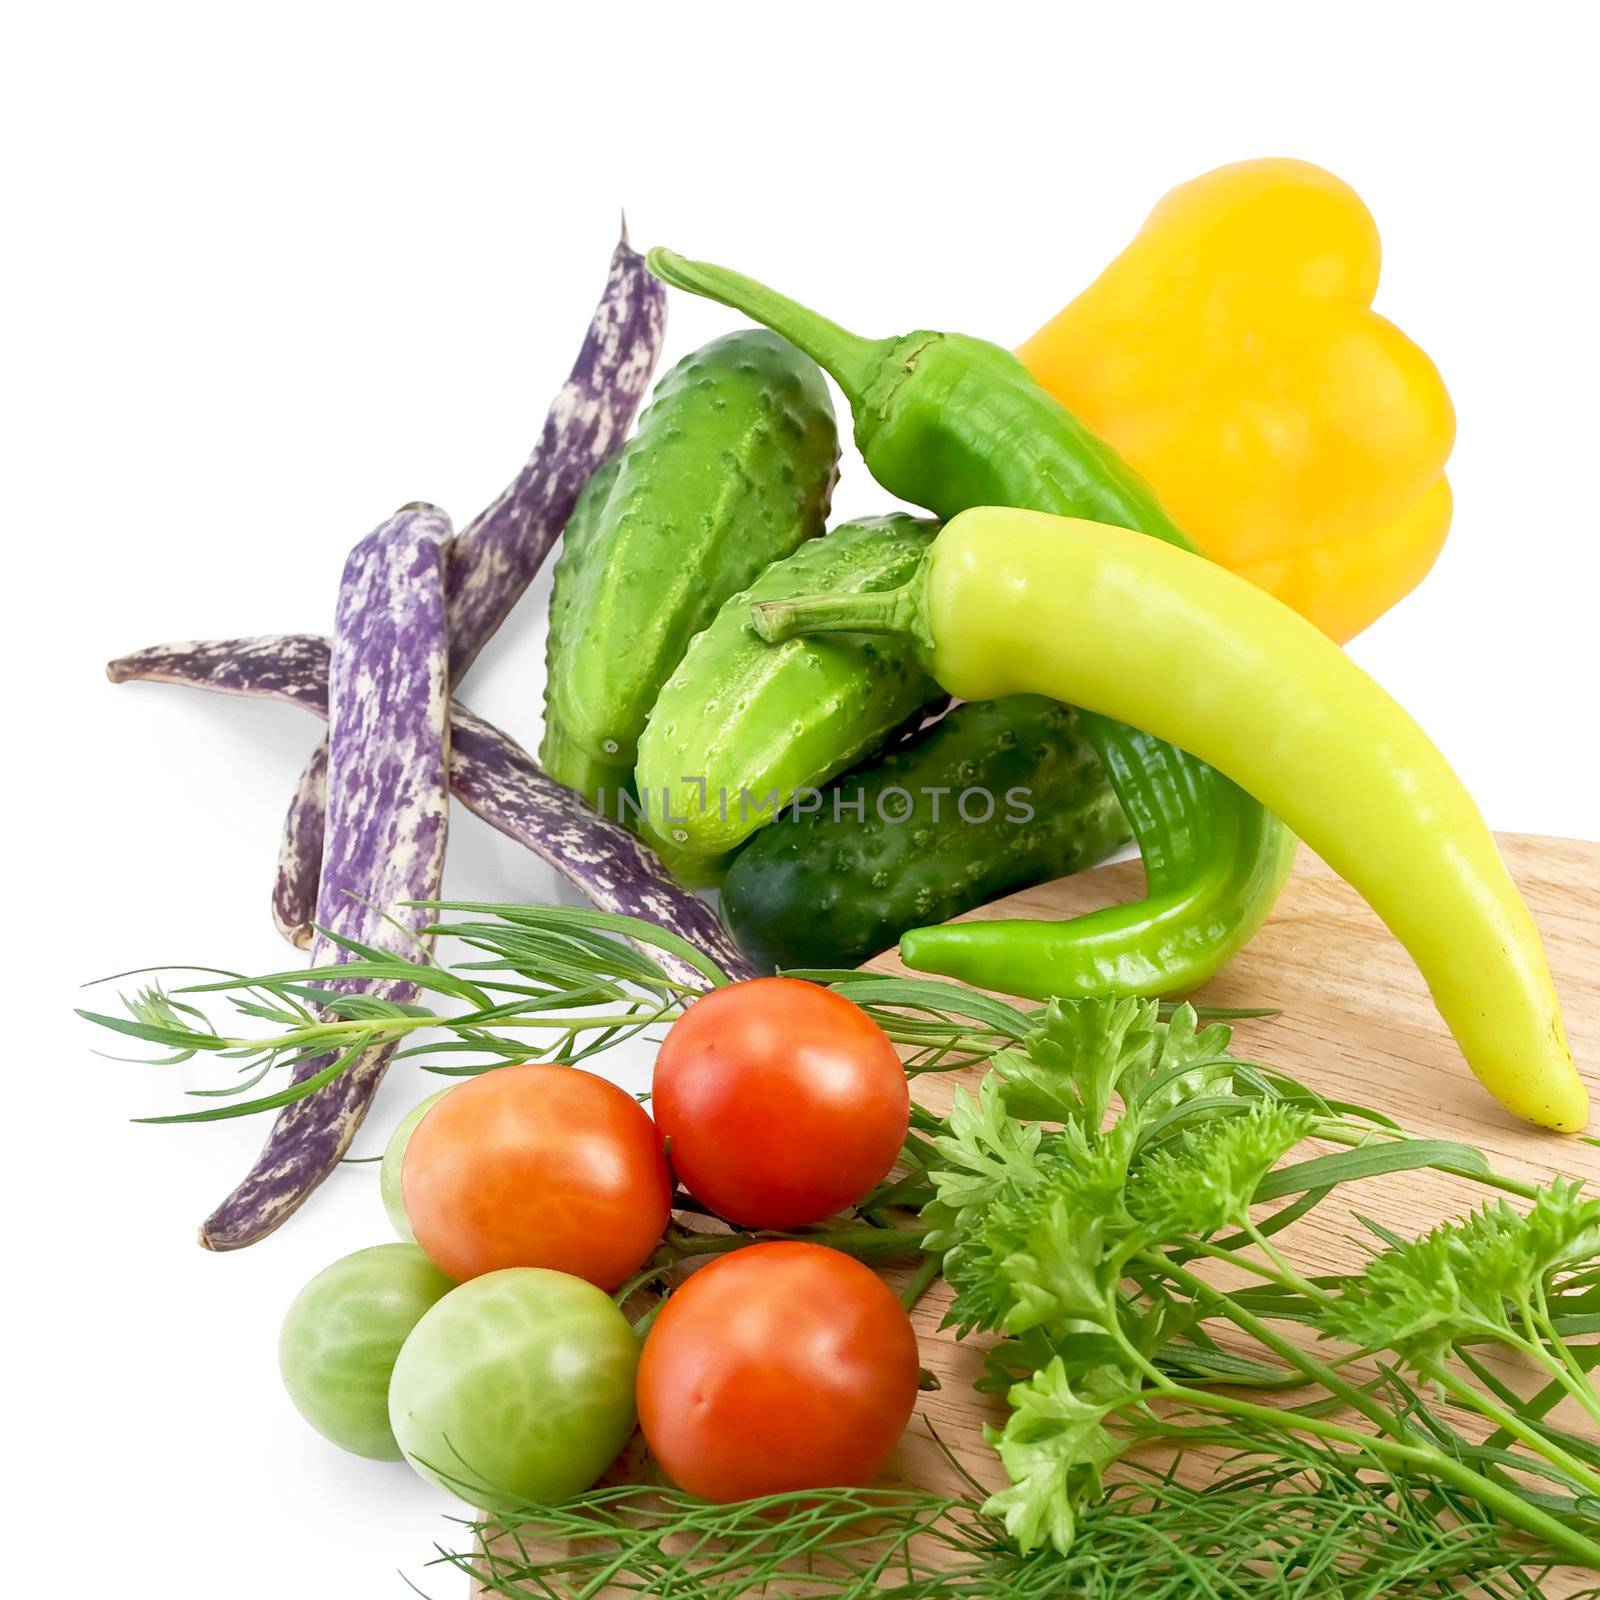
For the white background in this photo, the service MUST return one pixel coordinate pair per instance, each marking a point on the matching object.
(276, 270)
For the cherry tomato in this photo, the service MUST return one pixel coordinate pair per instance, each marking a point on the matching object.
(515, 1387)
(776, 1368)
(393, 1165)
(537, 1166)
(781, 1102)
(342, 1336)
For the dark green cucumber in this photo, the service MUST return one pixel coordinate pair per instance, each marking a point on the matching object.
(843, 882)
(741, 726)
(731, 467)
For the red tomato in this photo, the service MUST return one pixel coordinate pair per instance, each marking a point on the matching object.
(776, 1368)
(781, 1102)
(537, 1166)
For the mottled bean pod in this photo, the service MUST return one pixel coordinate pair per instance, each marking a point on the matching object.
(387, 810)
(494, 558)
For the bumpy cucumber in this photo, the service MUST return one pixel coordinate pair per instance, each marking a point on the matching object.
(610, 790)
(563, 759)
(577, 545)
(732, 467)
(841, 883)
(601, 783)
(741, 725)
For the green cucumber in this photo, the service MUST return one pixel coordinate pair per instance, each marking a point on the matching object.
(603, 784)
(844, 881)
(731, 467)
(740, 726)
(561, 757)
(610, 791)
(558, 755)
(693, 872)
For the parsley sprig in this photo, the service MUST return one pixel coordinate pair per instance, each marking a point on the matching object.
(1109, 1155)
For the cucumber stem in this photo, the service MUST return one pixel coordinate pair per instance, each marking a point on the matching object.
(882, 611)
(850, 360)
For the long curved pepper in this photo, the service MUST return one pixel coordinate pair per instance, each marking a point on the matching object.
(950, 422)
(1012, 602)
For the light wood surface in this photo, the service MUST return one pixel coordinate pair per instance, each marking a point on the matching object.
(1356, 1023)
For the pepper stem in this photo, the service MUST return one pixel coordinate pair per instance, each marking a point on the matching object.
(850, 360)
(880, 611)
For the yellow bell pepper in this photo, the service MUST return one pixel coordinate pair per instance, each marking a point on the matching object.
(1231, 354)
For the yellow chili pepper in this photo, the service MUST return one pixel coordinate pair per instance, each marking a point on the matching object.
(1018, 602)
(1231, 355)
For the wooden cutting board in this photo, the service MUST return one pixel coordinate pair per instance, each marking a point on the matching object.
(1356, 1022)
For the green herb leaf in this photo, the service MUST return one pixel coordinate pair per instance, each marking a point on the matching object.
(1209, 1178)
(1056, 1448)
(1076, 1058)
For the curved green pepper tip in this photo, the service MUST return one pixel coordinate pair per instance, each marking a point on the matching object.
(850, 360)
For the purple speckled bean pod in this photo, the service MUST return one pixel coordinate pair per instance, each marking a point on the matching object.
(500, 782)
(274, 666)
(388, 807)
(490, 774)
(300, 854)
(496, 556)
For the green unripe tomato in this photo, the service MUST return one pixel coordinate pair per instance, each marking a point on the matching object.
(341, 1336)
(394, 1155)
(516, 1387)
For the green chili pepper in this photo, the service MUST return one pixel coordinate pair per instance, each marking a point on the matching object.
(949, 422)
(1010, 602)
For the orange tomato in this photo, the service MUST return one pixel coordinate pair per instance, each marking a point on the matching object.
(537, 1166)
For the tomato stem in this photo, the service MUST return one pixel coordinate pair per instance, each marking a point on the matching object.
(642, 1327)
(917, 1284)
(866, 1242)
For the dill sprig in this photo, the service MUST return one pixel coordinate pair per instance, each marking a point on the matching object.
(1284, 1519)
(545, 983)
